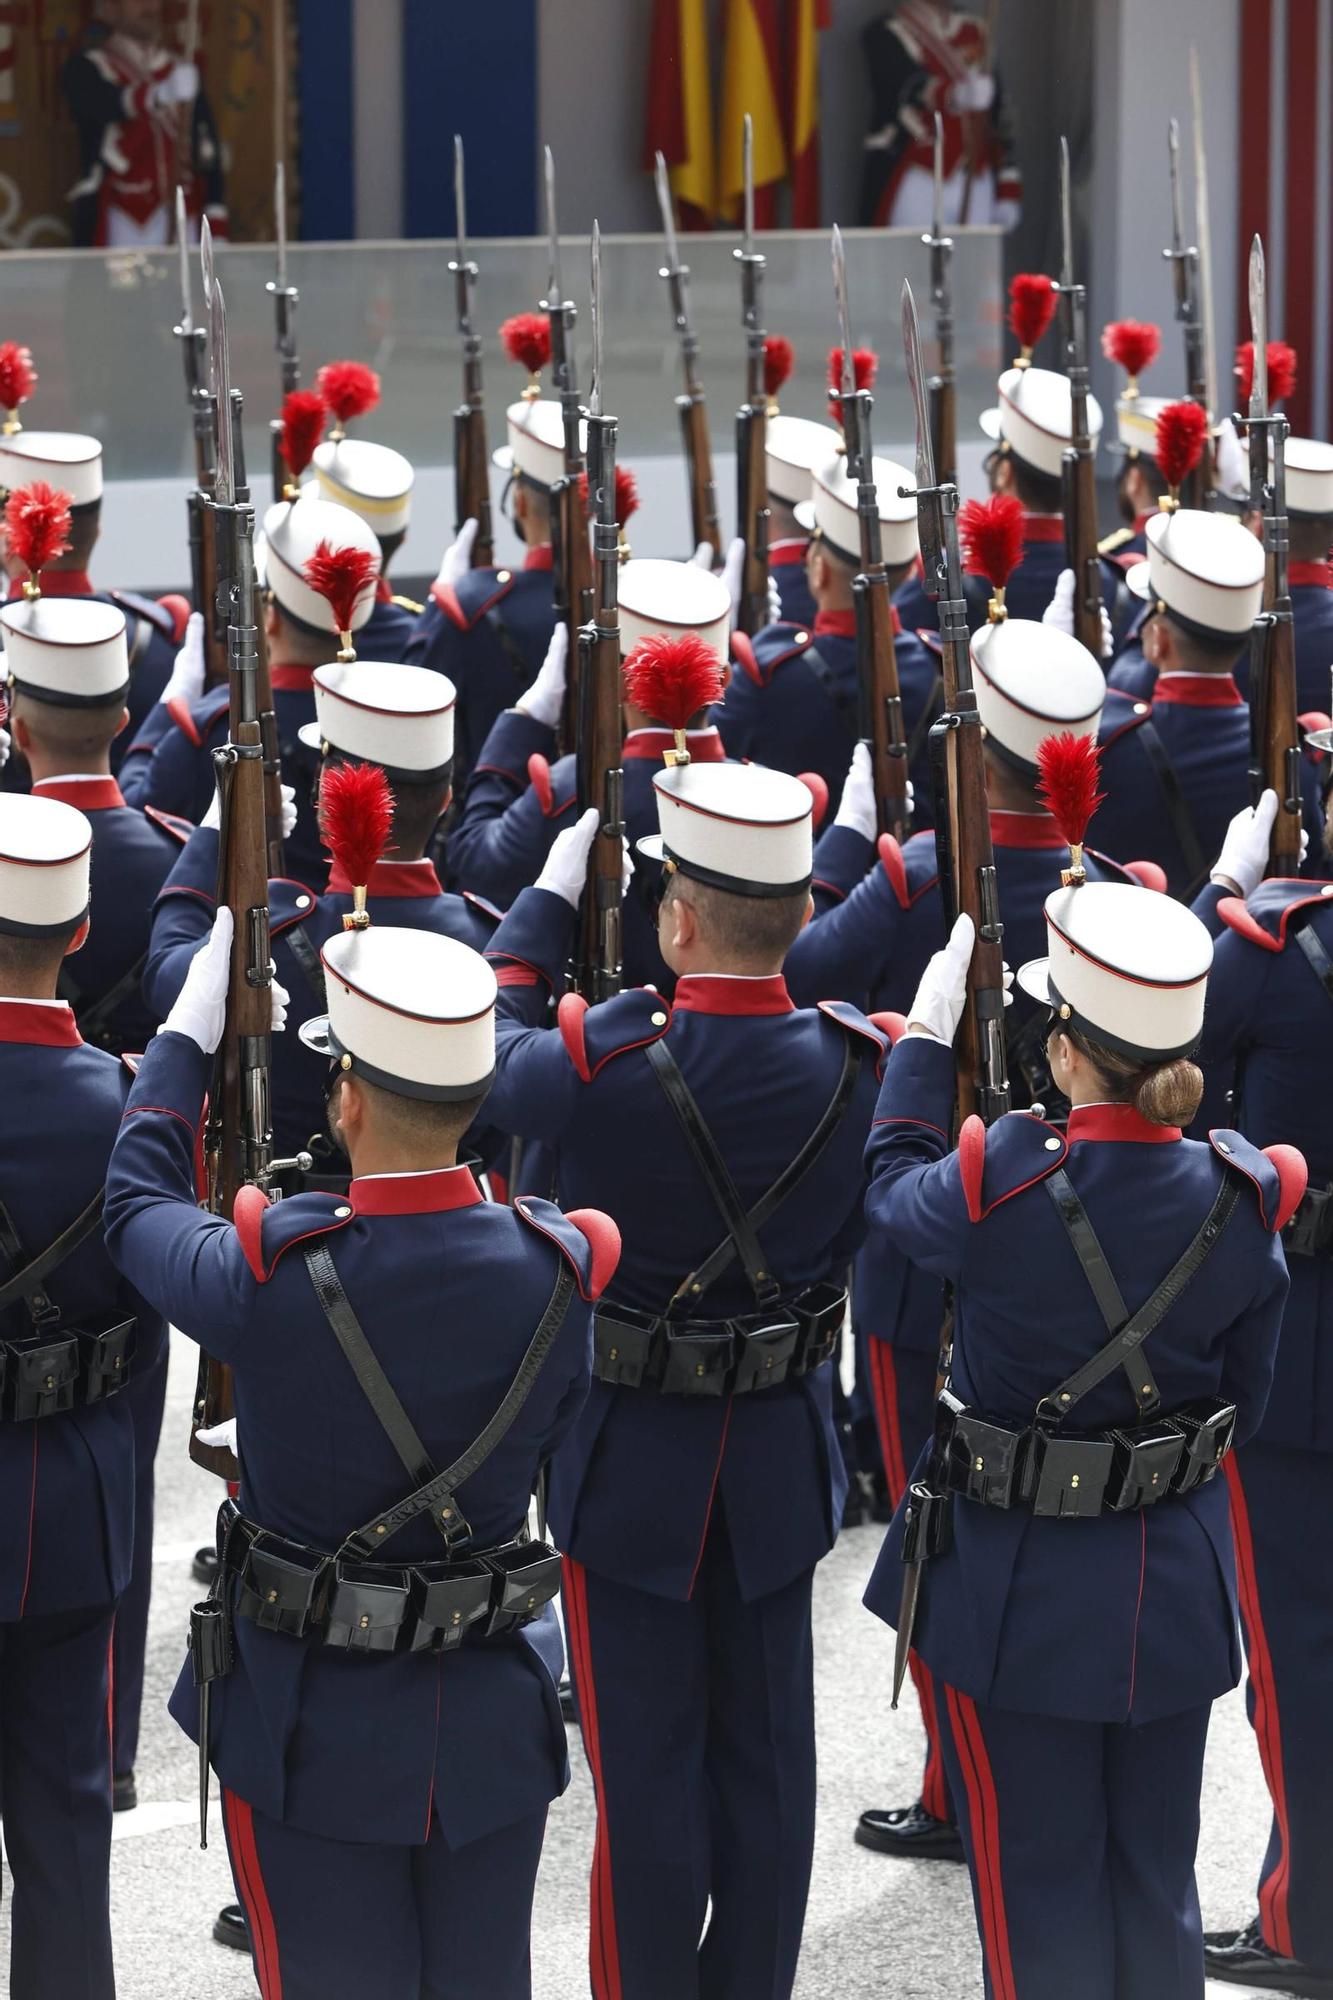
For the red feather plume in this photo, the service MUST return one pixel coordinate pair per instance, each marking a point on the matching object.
(340, 576)
(527, 340)
(37, 525)
(865, 362)
(18, 377)
(1281, 370)
(349, 388)
(356, 817)
(1133, 344)
(991, 534)
(779, 360)
(1069, 769)
(671, 679)
(627, 494)
(303, 417)
(1182, 431)
(1031, 307)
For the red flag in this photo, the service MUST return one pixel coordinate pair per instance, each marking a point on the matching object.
(679, 116)
(751, 72)
(806, 19)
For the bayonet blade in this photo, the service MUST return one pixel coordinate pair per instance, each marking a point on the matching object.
(280, 220)
(1203, 236)
(844, 314)
(206, 260)
(1177, 214)
(1066, 218)
(664, 203)
(595, 312)
(460, 200)
(747, 158)
(224, 489)
(937, 213)
(183, 258)
(927, 512)
(1258, 330)
(555, 290)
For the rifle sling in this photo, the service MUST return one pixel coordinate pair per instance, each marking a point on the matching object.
(508, 646)
(308, 962)
(27, 1283)
(844, 700)
(1316, 957)
(933, 709)
(96, 1015)
(1177, 809)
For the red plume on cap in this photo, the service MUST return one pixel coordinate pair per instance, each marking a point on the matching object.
(18, 379)
(1182, 431)
(350, 389)
(303, 414)
(991, 534)
(671, 679)
(1281, 370)
(340, 576)
(1031, 310)
(865, 362)
(1133, 345)
(627, 494)
(779, 360)
(1068, 773)
(356, 819)
(37, 529)
(527, 340)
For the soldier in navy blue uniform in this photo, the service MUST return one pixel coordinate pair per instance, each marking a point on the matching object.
(1309, 470)
(372, 1757)
(376, 483)
(703, 1481)
(1066, 1526)
(67, 1448)
(793, 447)
(793, 698)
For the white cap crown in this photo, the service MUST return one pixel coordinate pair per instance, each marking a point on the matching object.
(409, 1010)
(1031, 679)
(45, 847)
(658, 596)
(293, 530)
(1034, 417)
(70, 651)
(793, 447)
(738, 827)
(67, 460)
(833, 510)
(370, 479)
(1205, 568)
(1126, 966)
(396, 716)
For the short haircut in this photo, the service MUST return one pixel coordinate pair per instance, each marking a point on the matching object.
(1040, 492)
(28, 961)
(761, 928)
(538, 498)
(418, 1120)
(416, 808)
(1310, 536)
(897, 573)
(1142, 462)
(78, 732)
(1196, 649)
(84, 526)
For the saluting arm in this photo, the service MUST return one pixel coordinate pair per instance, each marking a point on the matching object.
(916, 1186)
(182, 918)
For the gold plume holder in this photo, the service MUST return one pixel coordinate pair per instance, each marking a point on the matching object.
(358, 917)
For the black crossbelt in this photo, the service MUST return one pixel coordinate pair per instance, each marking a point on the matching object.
(1177, 809)
(95, 1015)
(308, 962)
(1316, 957)
(843, 699)
(509, 646)
(26, 1284)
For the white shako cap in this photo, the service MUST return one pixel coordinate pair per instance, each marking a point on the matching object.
(370, 479)
(793, 447)
(1032, 681)
(660, 596)
(69, 651)
(536, 447)
(409, 1010)
(832, 510)
(738, 827)
(1205, 568)
(1136, 421)
(65, 459)
(399, 717)
(1126, 967)
(44, 852)
(1033, 418)
(293, 530)
(1309, 469)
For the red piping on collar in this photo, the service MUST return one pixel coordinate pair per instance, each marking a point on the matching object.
(1197, 691)
(840, 623)
(1117, 1122)
(1043, 528)
(390, 878)
(695, 995)
(647, 745)
(1318, 573)
(383, 590)
(542, 557)
(41, 1027)
(88, 794)
(1016, 829)
(789, 553)
(291, 679)
(415, 1194)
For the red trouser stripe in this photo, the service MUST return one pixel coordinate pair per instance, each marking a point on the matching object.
(603, 1946)
(1274, 1911)
(984, 1816)
(240, 1823)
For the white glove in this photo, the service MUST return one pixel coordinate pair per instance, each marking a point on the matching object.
(733, 570)
(281, 1000)
(1244, 856)
(942, 994)
(1006, 214)
(201, 1008)
(288, 822)
(187, 672)
(457, 558)
(774, 601)
(565, 869)
(973, 92)
(1233, 463)
(856, 807)
(1059, 613)
(703, 556)
(5, 746)
(179, 86)
(544, 700)
(223, 1434)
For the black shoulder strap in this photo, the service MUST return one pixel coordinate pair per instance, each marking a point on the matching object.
(97, 1014)
(1129, 1333)
(434, 1491)
(508, 644)
(27, 1283)
(933, 709)
(1316, 957)
(308, 961)
(1177, 809)
(843, 699)
(715, 1170)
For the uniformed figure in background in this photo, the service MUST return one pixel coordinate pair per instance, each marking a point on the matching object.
(793, 447)
(375, 482)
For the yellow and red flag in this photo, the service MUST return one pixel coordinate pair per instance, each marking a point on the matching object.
(806, 18)
(679, 120)
(751, 81)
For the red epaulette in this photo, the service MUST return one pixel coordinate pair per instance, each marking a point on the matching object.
(180, 829)
(465, 615)
(1265, 918)
(1278, 1173)
(996, 1164)
(267, 1230)
(593, 1035)
(539, 777)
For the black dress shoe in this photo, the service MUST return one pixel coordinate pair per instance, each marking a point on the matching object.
(124, 1792)
(229, 1927)
(205, 1565)
(1243, 1957)
(568, 1707)
(910, 1832)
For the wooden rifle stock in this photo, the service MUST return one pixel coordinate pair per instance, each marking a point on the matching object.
(572, 568)
(704, 524)
(598, 965)
(881, 706)
(472, 484)
(752, 476)
(944, 423)
(1079, 481)
(1274, 706)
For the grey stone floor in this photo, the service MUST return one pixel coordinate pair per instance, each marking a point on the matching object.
(876, 1927)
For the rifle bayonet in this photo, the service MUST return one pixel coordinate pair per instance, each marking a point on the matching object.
(1066, 220)
(665, 207)
(460, 202)
(943, 406)
(1204, 238)
(219, 374)
(928, 520)
(284, 296)
(183, 259)
(1258, 330)
(844, 316)
(554, 289)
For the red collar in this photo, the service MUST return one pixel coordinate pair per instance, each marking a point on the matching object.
(717, 994)
(1320, 573)
(416, 1194)
(1016, 829)
(58, 583)
(541, 557)
(289, 678)
(645, 744)
(390, 878)
(1141, 524)
(786, 554)
(1197, 691)
(1043, 527)
(383, 594)
(42, 1027)
(1117, 1121)
(88, 794)
(843, 623)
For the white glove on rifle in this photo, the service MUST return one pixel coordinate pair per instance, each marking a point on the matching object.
(544, 700)
(6, 744)
(186, 681)
(565, 871)
(942, 994)
(213, 817)
(703, 556)
(1244, 857)
(973, 92)
(856, 807)
(179, 86)
(457, 558)
(733, 575)
(1006, 214)
(200, 1010)
(1059, 613)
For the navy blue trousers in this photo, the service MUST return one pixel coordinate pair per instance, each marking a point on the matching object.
(55, 1776)
(1286, 1594)
(146, 1391)
(1080, 1841)
(344, 1920)
(699, 1723)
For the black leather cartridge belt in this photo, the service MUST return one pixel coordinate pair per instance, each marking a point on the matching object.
(54, 1366)
(1310, 1231)
(718, 1357)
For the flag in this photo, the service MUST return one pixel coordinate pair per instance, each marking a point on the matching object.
(807, 17)
(750, 75)
(679, 120)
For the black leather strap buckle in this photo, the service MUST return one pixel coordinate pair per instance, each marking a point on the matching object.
(697, 1359)
(210, 1641)
(622, 1340)
(765, 1347)
(283, 1585)
(367, 1607)
(1310, 1231)
(1068, 1476)
(41, 1376)
(821, 1310)
(1146, 1460)
(105, 1354)
(1210, 1429)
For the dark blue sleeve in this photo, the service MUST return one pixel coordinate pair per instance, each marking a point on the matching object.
(916, 1187)
(1251, 1344)
(503, 834)
(182, 918)
(537, 1088)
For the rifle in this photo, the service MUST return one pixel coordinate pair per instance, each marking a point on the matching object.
(752, 420)
(967, 863)
(943, 401)
(570, 551)
(597, 968)
(1275, 730)
(692, 409)
(472, 479)
(1204, 233)
(1079, 475)
(1184, 261)
(881, 706)
(285, 298)
(203, 554)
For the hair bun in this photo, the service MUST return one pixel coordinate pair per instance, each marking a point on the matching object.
(1170, 1093)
